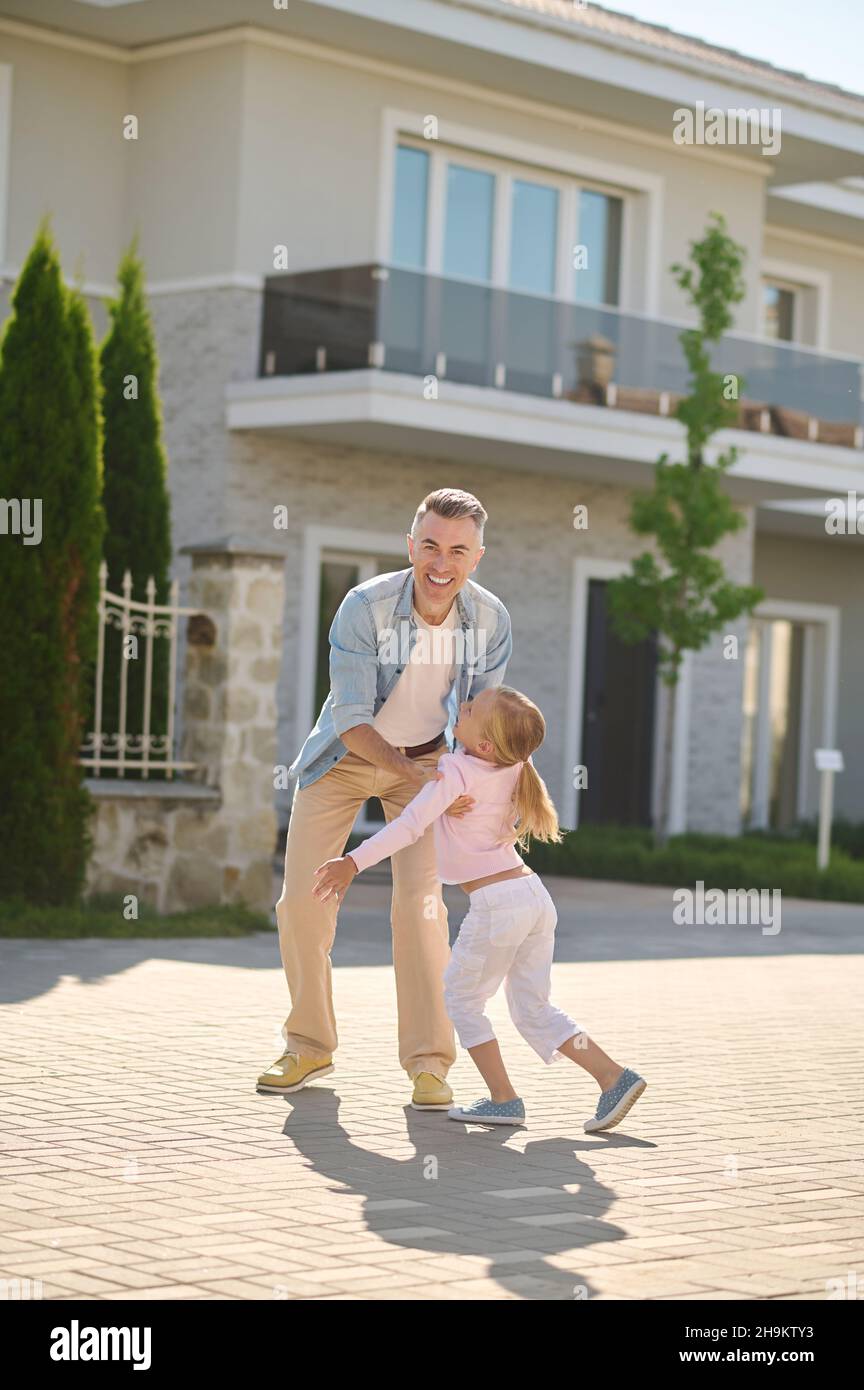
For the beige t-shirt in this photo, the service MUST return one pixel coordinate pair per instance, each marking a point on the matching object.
(415, 711)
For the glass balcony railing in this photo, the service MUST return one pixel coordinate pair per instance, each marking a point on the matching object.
(406, 321)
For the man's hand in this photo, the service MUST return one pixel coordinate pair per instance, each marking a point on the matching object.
(460, 806)
(333, 877)
(416, 775)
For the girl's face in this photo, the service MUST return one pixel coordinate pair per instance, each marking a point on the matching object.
(470, 726)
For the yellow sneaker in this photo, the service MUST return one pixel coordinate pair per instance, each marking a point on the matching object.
(431, 1092)
(292, 1072)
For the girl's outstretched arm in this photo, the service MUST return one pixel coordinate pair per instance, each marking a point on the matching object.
(429, 803)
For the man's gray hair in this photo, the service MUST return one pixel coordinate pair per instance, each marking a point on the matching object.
(451, 503)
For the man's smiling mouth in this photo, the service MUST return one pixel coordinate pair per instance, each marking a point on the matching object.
(440, 583)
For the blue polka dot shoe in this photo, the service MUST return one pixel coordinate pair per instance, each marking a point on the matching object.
(614, 1103)
(490, 1112)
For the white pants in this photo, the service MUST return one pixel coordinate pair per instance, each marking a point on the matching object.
(508, 934)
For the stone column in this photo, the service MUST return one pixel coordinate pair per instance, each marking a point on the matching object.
(229, 693)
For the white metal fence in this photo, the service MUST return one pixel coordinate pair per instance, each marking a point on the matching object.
(120, 749)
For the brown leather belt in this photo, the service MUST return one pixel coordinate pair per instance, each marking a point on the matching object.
(421, 748)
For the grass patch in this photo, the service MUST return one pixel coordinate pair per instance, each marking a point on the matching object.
(745, 861)
(103, 917)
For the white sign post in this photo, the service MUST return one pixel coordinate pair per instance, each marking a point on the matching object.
(828, 761)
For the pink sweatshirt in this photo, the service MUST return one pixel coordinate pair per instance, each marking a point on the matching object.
(465, 847)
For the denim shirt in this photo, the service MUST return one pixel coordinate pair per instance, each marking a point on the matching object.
(371, 639)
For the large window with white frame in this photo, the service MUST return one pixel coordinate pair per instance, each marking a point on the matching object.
(482, 220)
(789, 710)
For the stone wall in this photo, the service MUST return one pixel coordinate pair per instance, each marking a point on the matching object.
(230, 710)
(209, 839)
(148, 842)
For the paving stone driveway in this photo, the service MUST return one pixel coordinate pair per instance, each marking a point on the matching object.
(137, 1159)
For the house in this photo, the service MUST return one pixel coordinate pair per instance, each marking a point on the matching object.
(394, 245)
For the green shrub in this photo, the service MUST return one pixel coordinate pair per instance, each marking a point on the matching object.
(846, 835)
(50, 442)
(747, 861)
(137, 507)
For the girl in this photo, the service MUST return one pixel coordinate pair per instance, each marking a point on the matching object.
(509, 932)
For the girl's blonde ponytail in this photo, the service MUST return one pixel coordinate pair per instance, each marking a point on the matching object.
(516, 728)
(535, 809)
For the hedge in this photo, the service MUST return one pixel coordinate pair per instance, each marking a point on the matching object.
(747, 861)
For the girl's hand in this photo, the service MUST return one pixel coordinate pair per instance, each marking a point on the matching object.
(333, 878)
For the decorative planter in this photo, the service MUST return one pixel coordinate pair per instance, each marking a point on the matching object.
(595, 362)
(754, 415)
(794, 424)
(832, 432)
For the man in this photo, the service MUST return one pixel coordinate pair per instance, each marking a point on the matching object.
(405, 650)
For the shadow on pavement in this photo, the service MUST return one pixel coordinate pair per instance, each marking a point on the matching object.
(457, 1212)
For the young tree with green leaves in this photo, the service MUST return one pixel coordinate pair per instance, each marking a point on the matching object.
(686, 597)
(50, 454)
(137, 507)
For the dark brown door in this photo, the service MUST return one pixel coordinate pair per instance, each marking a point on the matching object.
(618, 721)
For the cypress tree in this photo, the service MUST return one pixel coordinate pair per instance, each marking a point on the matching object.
(49, 454)
(137, 508)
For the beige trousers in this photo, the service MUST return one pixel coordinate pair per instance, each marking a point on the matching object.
(322, 815)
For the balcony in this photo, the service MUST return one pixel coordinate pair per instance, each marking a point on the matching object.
(396, 361)
(403, 321)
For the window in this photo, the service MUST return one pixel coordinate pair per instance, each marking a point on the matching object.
(533, 237)
(468, 223)
(789, 679)
(796, 301)
(771, 737)
(600, 236)
(409, 207)
(779, 312)
(492, 223)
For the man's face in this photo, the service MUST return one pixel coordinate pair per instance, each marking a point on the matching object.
(443, 554)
